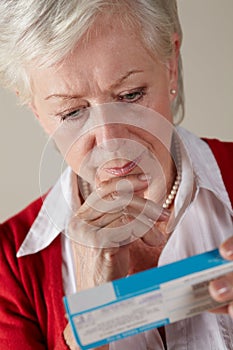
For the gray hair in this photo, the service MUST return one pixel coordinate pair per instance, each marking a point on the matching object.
(45, 31)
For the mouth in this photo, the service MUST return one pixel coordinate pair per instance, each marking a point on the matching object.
(125, 169)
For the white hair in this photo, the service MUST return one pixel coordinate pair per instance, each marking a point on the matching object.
(43, 32)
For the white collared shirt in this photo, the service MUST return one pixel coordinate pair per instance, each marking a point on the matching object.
(199, 225)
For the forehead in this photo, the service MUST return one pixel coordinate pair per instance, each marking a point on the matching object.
(108, 51)
(111, 43)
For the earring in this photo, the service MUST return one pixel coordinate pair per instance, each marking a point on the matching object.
(173, 91)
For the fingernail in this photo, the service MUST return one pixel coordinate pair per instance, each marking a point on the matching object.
(222, 287)
(227, 249)
(144, 177)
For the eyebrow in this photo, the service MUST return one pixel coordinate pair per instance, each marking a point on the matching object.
(62, 96)
(124, 77)
(114, 85)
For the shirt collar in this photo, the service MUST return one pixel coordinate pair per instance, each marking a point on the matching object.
(58, 207)
(63, 199)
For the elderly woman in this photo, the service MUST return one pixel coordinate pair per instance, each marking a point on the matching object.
(104, 79)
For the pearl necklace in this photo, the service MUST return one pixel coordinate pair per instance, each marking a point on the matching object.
(170, 198)
(85, 187)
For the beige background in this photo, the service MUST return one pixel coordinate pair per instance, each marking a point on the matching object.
(208, 68)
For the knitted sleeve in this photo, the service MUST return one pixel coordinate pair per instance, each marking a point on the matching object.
(19, 327)
(32, 314)
(223, 152)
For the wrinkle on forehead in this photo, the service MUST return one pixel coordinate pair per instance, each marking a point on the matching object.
(98, 64)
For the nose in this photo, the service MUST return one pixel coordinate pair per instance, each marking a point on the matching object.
(109, 135)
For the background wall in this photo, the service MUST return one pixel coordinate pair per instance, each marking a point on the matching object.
(208, 70)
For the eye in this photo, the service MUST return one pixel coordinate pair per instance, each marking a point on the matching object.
(73, 115)
(132, 96)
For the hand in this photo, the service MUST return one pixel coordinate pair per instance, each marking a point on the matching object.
(108, 222)
(221, 289)
(69, 338)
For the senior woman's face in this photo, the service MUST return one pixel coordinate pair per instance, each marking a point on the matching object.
(113, 66)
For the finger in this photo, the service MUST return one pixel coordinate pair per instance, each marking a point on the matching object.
(154, 238)
(141, 225)
(230, 310)
(149, 233)
(227, 309)
(220, 310)
(106, 219)
(98, 206)
(147, 220)
(135, 182)
(129, 228)
(143, 206)
(117, 233)
(89, 235)
(69, 338)
(226, 249)
(122, 230)
(221, 289)
(149, 209)
(82, 232)
(111, 189)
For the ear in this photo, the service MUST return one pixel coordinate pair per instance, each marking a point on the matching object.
(173, 63)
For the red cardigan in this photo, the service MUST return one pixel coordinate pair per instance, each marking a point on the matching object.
(32, 314)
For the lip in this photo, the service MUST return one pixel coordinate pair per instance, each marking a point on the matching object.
(124, 170)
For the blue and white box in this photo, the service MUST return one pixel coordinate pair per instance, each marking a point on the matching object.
(143, 301)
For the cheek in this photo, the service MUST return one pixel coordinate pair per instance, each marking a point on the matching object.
(162, 105)
(157, 139)
(73, 159)
(75, 153)
(156, 131)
